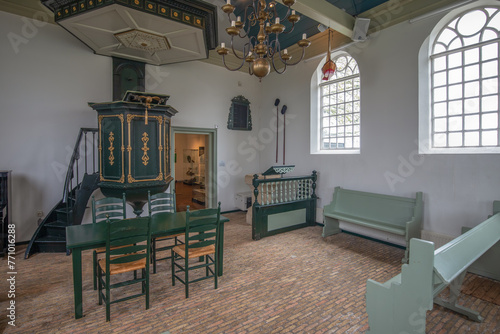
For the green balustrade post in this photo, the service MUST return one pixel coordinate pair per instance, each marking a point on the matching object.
(314, 178)
(255, 183)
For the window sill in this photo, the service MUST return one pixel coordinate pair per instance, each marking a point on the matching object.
(460, 150)
(327, 152)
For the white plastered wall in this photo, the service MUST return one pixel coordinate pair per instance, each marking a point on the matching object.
(458, 189)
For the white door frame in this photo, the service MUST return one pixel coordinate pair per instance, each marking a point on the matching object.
(211, 151)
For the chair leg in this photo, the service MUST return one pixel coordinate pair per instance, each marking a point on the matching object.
(100, 285)
(143, 283)
(95, 268)
(154, 256)
(173, 267)
(186, 276)
(216, 267)
(108, 299)
(146, 275)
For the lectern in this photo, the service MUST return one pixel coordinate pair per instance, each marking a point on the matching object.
(134, 147)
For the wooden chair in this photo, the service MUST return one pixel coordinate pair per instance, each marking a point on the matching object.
(128, 245)
(102, 209)
(157, 203)
(201, 240)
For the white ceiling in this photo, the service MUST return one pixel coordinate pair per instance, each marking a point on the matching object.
(150, 39)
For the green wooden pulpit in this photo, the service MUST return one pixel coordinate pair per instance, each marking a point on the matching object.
(134, 147)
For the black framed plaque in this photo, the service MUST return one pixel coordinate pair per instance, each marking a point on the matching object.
(239, 114)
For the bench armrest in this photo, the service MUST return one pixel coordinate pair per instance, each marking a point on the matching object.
(400, 304)
(413, 229)
(331, 206)
(414, 226)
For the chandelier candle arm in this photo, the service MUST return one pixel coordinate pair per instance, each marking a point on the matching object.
(293, 18)
(286, 63)
(241, 24)
(223, 51)
(304, 42)
(285, 57)
(232, 69)
(245, 52)
(228, 8)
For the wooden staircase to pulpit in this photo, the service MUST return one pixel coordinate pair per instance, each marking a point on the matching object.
(81, 180)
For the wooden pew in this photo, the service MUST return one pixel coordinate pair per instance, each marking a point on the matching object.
(487, 265)
(400, 304)
(394, 214)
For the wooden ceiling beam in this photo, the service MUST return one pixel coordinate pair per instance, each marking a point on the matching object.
(325, 13)
(396, 11)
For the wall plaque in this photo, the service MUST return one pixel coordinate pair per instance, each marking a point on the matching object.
(239, 114)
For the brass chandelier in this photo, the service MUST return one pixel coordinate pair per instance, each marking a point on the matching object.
(265, 49)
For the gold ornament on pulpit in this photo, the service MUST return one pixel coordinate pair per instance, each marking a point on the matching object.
(146, 100)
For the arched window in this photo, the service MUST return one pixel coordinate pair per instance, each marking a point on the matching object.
(337, 112)
(463, 93)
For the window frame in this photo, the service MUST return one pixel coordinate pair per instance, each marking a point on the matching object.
(316, 145)
(425, 65)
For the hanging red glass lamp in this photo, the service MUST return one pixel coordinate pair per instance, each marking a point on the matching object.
(329, 68)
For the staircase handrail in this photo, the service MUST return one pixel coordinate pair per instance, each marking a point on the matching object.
(74, 158)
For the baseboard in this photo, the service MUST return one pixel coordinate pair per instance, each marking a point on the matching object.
(374, 239)
(438, 239)
(231, 211)
(367, 237)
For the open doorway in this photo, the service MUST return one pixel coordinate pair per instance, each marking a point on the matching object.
(194, 169)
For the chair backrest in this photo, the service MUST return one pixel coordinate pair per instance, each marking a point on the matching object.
(128, 240)
(202, 228)
(161, 202)
(108, 207)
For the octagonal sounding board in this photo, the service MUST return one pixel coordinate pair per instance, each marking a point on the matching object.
(142, 30)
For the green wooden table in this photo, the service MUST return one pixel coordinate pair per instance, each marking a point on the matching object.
(90, 236)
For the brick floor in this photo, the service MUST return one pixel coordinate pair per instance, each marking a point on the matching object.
(296, 282)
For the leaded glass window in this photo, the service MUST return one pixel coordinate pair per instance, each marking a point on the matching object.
(465, 80)
(340, 108)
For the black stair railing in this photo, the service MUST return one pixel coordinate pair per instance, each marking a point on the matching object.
(73, 176)
(81, 180)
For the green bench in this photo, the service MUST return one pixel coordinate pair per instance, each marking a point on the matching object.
(400, 304)
(487, 265)
(394, 214)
